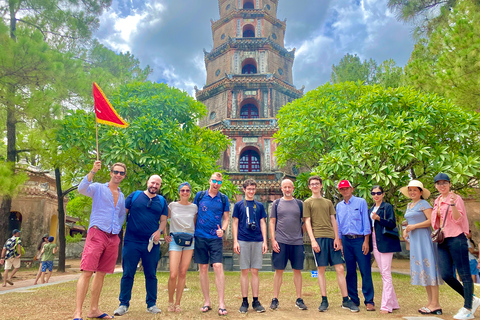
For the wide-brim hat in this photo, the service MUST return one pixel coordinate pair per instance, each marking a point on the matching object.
(418, 184)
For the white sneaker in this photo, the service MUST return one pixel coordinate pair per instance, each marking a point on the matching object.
(475, 304)
(463, 314)
(121, 310)
(155, 309)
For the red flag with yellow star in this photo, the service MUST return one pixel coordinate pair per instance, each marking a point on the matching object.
(104, 111)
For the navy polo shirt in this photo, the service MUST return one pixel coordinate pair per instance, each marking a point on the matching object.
(210, 213)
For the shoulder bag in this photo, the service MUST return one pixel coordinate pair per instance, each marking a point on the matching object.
(437, 235)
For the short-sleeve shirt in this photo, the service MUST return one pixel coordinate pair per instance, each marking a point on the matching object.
(11, 248)
(48, 251)
(144, 218)
(320, 210)
(289, 222)
(210, 213)
(256, 212)
(183, 217)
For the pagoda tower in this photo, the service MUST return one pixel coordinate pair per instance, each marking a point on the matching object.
(249, 78)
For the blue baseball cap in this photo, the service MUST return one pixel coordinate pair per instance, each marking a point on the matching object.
(441, 176)
(15, 231)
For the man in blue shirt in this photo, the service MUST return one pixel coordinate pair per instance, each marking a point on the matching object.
(250, 242)
(101, 247)
(147, 216)
(354, 230)
(212, 207)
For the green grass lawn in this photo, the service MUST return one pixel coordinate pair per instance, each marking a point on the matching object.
(58, 301)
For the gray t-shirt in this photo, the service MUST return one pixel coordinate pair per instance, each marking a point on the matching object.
(182, 217)
(289, 226)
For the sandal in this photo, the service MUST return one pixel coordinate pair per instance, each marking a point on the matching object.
(424, 310)
(222, 312)
(178, 308)
(171, 307)
(102, 316)
(205, 309)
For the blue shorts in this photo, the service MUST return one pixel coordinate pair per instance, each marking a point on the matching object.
(175, 247)
(473, 267)
(327, 255)
(208, 251)
(294, 253)
(47, 265)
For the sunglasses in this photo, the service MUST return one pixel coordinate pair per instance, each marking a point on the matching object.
(115, 172)
(149, 204)
(376, 193)
(185, 190)
(219, 182)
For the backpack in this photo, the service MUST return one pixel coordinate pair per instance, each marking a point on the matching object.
(22, 249)
(202, 194)
(300, 205)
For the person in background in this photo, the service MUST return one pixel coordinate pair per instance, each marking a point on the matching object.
(182, 221)
(384, 242)
(472, 256)
(48, 252)
(423, 252)
(449, 208)
(11, 253)
(38, 257)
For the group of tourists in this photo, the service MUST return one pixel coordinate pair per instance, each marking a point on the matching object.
(345, 234)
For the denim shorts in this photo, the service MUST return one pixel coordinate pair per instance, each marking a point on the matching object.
(47, 265)
(175, 247)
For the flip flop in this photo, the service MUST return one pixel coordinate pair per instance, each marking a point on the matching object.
(438, 312)
(222, 312)
(424, 310)
(102, 316)
(205, 309)
(77, 318)
(10, 282)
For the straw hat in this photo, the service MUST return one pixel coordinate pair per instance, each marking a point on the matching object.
(418, 184)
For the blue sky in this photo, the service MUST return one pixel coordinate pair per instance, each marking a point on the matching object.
(169, 35)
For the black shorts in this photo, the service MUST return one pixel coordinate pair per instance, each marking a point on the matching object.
(208, 251)
(294, 253)
(327, 255)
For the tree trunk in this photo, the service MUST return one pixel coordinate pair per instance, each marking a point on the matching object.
(61, 221)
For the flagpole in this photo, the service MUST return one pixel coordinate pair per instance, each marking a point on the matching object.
(96, 136)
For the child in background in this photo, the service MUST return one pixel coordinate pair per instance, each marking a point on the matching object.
(472, 256)
(48, 253)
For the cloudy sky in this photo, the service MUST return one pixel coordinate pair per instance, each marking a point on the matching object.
(169, 35)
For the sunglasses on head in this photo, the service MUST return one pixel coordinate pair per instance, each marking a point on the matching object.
(115, 172)
(219, 182)
(376, 193)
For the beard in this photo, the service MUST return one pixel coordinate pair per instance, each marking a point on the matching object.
(152, 190)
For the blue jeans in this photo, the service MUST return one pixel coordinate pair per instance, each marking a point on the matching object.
(456, 249)
(352, 252)
(131, 254)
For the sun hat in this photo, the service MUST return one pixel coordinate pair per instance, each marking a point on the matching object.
(344, 184)
(45, 235)
(418, 184)
(441, 176)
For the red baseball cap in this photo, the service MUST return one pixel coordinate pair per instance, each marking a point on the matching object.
(344, 184)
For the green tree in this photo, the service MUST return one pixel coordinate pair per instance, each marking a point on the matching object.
(372, 135)
(351, 68)
(162, 138)
(448, 61)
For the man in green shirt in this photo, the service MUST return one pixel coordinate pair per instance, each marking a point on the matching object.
(322, 229)
(48, 251)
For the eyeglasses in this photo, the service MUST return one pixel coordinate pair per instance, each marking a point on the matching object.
(442, 183)
(376, 193)
(185, 190)
(115, 172)
(315, 184)
(219, 182)
(149, 204)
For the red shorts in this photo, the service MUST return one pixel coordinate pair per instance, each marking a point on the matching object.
(100, 251)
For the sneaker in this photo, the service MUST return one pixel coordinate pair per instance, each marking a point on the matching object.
(258, 307)
(154, 309)
(475, 304)
(350, 306)
(244, 307)
(463, 314)
(300, 305)
(274, 304)
(323, 306)
(121, 310)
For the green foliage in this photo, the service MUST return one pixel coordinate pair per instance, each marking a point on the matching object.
(10, 181)
(79, 207)
(371, 135)
(76, 238)
(162, 138)
(350, 68)
(448, 61)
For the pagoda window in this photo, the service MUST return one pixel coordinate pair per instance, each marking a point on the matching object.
(248, 5)
(249, 31)
(250, 161)
(249, 111)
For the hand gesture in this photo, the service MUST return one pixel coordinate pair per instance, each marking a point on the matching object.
(219, 232)
(97, 165)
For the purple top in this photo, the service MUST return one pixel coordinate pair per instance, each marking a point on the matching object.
(105, 215)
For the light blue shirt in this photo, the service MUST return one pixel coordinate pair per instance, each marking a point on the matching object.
(352, 217)
(105, 215)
